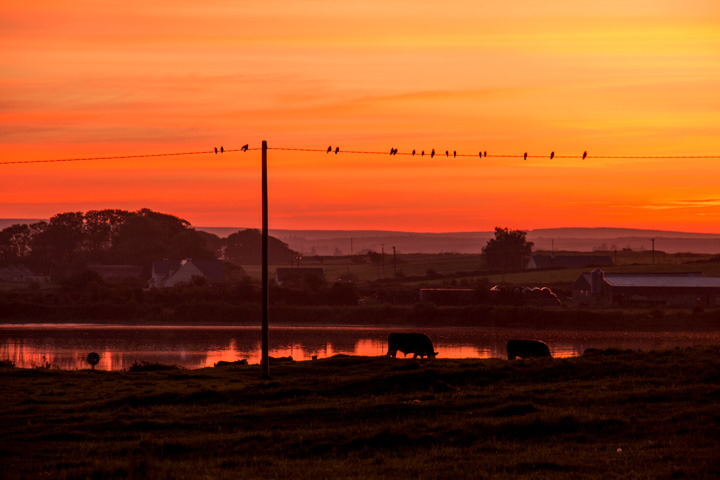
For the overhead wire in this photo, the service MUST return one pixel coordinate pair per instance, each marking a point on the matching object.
(393, 151)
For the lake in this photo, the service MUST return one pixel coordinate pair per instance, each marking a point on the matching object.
(66, 346)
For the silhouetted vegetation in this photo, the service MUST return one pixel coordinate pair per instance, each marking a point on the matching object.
(69, 242)
(507, 250)
(245, 248)
(613, 414)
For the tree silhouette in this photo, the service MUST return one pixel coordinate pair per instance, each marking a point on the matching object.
(507, 250)
(244, 247)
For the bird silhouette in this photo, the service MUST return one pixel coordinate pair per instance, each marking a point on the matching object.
(216, 150)
(392, 150)
(525, 156)
(480, 153)
(337, 149)
(423, 153)
(413, 153)
(584, 155)
(222, 150)
(329, 149)
(552, 154)
(432, 154)
(485, 154)
(244, 148)
(454, 153)
(446, 153)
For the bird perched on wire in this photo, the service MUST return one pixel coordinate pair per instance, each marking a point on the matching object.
(423, 153)
(446, 153)
(552, 154)
(222, 150)
(584, 155)
(337, 149)
(329, 149)
(413, 153)
(485, 154)
(480, 153)
(216, 150)
(454, 153)
(525, 156)
(244, 148)
(432, 154)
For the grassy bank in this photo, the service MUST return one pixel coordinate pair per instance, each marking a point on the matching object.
(612, 415)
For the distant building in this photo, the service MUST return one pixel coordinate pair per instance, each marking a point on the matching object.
(568, 261)
(616, 289)
(117, 273)
(300, 278)
(20, 274)
(449, 296)
(170, 273)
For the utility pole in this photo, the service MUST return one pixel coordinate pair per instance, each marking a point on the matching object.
(265, 362)
(394, 263)
(653, 250)
(382, 249)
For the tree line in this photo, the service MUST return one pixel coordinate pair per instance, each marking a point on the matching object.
(69, 242)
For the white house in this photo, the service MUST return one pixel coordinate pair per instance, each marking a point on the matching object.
(169, 273)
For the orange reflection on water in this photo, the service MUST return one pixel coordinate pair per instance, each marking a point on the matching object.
(67, 347)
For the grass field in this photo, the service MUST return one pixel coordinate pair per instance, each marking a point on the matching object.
(413, 269)
(617, 414)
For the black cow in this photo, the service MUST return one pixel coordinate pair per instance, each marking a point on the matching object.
(418, 344)
(223, 363)
(527, 349)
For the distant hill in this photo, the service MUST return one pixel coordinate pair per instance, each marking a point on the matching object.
(6, 222)
(606, 232)
(345, 242)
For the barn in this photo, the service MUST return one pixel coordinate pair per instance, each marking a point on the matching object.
(601, 289)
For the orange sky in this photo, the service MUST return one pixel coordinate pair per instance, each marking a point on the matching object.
(88, 78)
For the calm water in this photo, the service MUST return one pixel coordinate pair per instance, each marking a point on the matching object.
(67, 346)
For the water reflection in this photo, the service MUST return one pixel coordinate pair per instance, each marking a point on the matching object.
(67, 346)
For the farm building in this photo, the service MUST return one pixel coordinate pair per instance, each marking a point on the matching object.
(568, 261)
(616, 289)
(169, 273)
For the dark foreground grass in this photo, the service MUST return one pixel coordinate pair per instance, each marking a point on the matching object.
(616, 414)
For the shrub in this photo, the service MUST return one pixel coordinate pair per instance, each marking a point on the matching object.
(143, 366)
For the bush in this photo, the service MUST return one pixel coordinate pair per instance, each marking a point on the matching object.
(7, 364)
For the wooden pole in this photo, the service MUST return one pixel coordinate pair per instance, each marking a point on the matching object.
(265, 362)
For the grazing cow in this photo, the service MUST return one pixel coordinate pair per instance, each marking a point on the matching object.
(418, 344)
(223, 363)
(527, 349)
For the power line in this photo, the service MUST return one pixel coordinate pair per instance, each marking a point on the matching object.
(393, 151)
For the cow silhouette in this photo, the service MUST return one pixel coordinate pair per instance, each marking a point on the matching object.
(418, 344)
(527, 349)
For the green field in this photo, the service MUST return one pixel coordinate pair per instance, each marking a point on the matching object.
(413, 269)
(618, 414)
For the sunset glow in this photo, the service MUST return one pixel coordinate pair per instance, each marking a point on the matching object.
(613, 78)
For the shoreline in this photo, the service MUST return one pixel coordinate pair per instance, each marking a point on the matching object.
(376, 316)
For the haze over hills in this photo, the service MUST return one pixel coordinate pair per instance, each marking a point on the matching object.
(346, 242)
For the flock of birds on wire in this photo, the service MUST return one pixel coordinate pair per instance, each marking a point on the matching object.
(394, 151)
